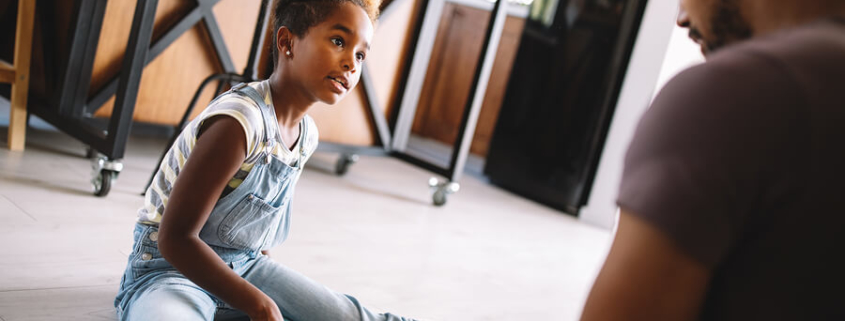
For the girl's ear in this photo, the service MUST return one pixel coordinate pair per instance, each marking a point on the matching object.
(284, 42)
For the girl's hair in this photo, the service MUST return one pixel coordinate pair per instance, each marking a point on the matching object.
(301, 15)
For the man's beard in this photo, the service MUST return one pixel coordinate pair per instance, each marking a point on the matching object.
(728, 26)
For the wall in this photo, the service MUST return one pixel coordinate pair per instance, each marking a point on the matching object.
(661, 51)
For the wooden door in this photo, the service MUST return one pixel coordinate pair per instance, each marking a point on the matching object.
(449, 76)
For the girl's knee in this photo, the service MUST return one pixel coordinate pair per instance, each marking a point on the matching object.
(171, 301)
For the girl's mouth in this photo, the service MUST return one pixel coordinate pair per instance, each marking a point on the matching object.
(340, 82)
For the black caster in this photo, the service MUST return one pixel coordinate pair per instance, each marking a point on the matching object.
(343, 163)
(104, 173)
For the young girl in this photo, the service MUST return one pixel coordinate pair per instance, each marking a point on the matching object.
(222, 197)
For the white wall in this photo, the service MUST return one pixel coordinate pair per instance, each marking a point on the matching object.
(681, 54)
(662, 50)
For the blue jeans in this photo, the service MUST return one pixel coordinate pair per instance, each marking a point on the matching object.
(153, 290)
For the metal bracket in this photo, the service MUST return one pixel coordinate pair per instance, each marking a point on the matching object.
(202, 12)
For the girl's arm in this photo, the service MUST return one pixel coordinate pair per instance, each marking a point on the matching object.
(219, 152)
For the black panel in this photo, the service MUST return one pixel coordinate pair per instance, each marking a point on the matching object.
(560, 98)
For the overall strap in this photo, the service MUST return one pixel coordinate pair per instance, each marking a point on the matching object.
(304, 125)
(269, 121)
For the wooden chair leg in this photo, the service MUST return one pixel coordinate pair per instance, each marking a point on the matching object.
(20, 86)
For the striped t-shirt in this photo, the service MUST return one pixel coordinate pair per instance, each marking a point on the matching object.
(246, 112)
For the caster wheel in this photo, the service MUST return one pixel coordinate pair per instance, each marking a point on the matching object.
(343, 163)
(103, 174)
(441, 190)
(439, 198)
(103, 181)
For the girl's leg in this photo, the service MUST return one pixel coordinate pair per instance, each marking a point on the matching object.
(170, 298)
(300, 298)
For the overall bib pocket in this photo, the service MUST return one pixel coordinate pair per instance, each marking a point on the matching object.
(246, 226)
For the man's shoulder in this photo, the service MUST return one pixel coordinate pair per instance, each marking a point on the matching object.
(819, 37)
(808, 46)
(777, 67)
(738, 92)
(734, 80)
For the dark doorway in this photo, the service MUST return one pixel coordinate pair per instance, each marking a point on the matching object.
(560, 98)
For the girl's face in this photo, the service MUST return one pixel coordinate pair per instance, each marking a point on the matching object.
(327, 61)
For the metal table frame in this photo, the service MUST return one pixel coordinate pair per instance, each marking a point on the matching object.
(70, 108)
(411, 90)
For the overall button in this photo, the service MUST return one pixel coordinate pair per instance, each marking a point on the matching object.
(154, 236)
(146, 256)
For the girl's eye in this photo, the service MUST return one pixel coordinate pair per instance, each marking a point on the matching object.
(337, 42)
(360, 56)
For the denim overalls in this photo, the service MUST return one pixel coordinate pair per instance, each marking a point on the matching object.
(253, 217)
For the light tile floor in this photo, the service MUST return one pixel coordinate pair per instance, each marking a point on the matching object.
(486, 255)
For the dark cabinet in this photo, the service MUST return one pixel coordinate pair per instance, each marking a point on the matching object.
(560, 98)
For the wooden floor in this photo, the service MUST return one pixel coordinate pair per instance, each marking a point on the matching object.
(486, 255)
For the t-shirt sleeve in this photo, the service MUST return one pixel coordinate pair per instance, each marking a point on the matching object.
(709, 149)
(244, 112)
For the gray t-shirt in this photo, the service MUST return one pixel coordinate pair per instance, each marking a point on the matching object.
(741, 161)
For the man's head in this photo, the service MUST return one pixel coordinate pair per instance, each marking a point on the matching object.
(714, 24)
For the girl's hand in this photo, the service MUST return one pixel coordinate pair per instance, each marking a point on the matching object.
(266, 310)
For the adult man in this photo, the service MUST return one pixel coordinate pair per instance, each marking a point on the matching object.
(731, 194)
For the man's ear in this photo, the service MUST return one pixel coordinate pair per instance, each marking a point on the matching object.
(284, 42)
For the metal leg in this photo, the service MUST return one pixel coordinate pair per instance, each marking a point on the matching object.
(343, 163)
(472, 108)
(479, 84)
(216, 36)
(130, 77)
(258, 40)
(88, 22)
(416, 74)
(186, 23)
(83, 81)
(376, 114)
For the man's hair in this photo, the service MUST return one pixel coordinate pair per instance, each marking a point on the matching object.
(300, 15)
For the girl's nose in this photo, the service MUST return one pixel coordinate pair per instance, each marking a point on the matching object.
(350, 64)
